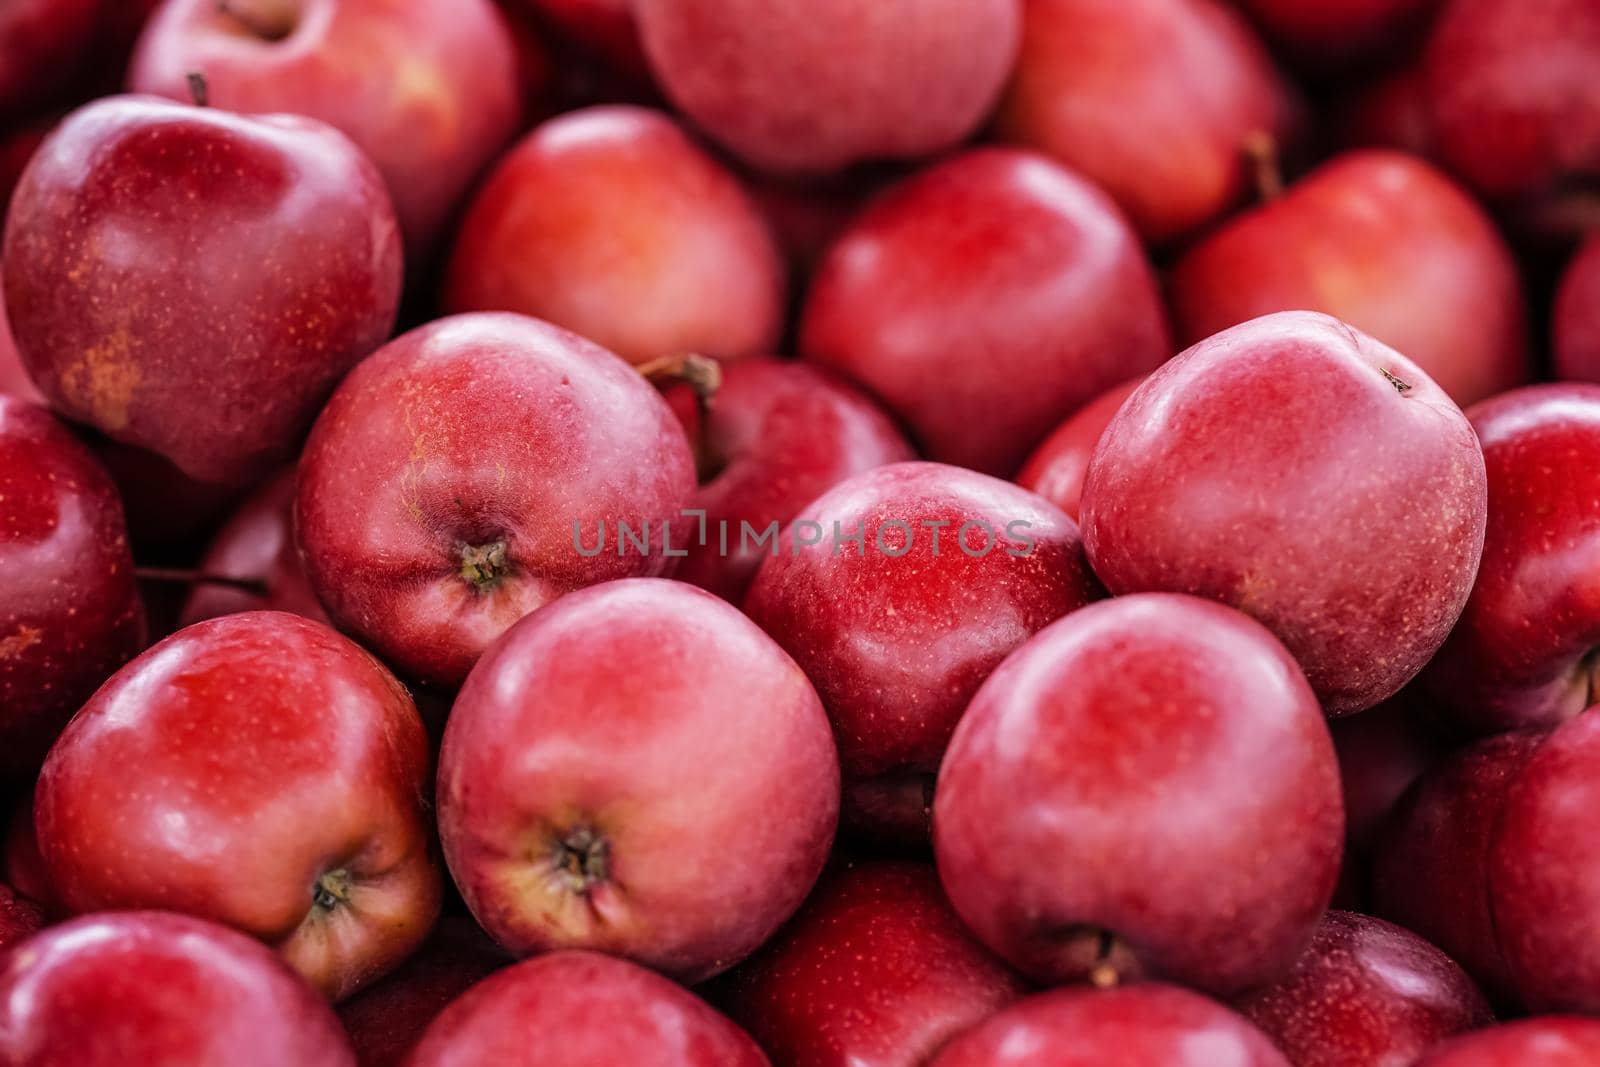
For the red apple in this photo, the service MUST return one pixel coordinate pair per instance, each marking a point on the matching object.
(1551, 1041)
(1332, 33)
(1381, 752)
(816, 87)
(257, 770)
(195, 282)
(1523, 652)
(1366, 992)
(43, 46)
(255, 547)
(1057, 467)
(807, 216)
(953, 571)
(1384, 242)
(875, 971)
(14, 379)
(564, 809)
(430, 89)
(1577, 317)
(581, 1009)
(1356, 544)
(1390, 113)
(604, 27)
(1148, 1023)
(24, 867)
(984, 300)
(386, 1019)
(1145, 788)
(1155, 101)
(126, 988)
(775, 436)
(611, 222)
(69, 604)
(19, 916)
(475, 469)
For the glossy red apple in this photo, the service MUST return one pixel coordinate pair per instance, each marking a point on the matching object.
(1366, 992)
(1147, 1023)
(150, 987)
(1057, 467)
(1145, 788)
(563, 807)
(1384, 242)
(875, 971)
(430, 89)
(257, 770)
(69, 604)
(1355, 544)
(1333, 33)
(194, 282)
(1577, 317)
(1550, 1041)
(775, 437)
(474, 470)
(953, 571)
(1523, 652)
(43, 47)
(612, 223)
(1156, 101)
(19, 916)
(386, 1019)
(816, 87)
(984, 300)
(255, 550)
(582, 1009)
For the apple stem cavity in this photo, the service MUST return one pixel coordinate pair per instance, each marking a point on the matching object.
(703, 375)
(581, 859)
(184, 576)
(331, 891)
(484, 566)
(1261, 148)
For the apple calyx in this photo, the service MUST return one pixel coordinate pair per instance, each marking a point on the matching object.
(331, 891)
(581, 860)
(484, 566)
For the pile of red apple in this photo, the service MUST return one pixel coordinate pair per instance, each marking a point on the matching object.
(809, 533)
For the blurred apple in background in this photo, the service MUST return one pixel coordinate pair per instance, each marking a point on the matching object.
(43, 46)
(1577, 322)
(1328, 34)
(604, 27)
(1058, 466)
(1391, 112)
(19, 916)
(255, 549)
(1552, 1041)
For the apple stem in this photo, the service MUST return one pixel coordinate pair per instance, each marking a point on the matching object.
(1261, 148)
(184, 576)
(199, 90)
(701, 374)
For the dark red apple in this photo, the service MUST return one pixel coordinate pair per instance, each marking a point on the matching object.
(1384, 242)
(14, 379)
(612, 223)
(19, 916)
(604, 27)
(1148, 1023)
(818, 86)
(475, 469)
(257, 770)
(255, 547)
(150, 987)
(1145, 788)
(1355, 542)
(430, 89)
(1550, 1041)
(69, 604)
(1156, 101)
(564, 807)
(582, 1009)
(953, 570)
(24, 867)
(1392, 112)
(984, 300)
(875, 971)
(1365, 993)
(43, 47)
(1577, 317)
(1057, 467)
(775, 436)
(1523, 653)
(194, 282)
(1381, 752)
(1327, 34)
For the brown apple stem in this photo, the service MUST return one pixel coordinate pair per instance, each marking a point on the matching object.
(185, 576)
(199, 90)
(701, 374)
(1261, 148)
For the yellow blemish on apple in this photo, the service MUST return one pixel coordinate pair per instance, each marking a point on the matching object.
(102, 382)
(18, 643)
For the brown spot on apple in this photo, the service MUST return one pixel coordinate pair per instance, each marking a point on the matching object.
(18, 643)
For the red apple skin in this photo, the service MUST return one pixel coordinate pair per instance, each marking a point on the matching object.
(1057, 467)
(43, 44)
(1333, 33)
(1365, 993)
(1152, 100)
(905, 303)
(487, 433)
(1577, 317)
(1381, 752)
(387, 1019)
(256, 545)
(1390, 113)
(195, 282)
(1522, 653)
(24, 867)
(69, 604)
(777, 436)
(257, 770)
(604, 27)
(430, 89)
(875, 971)
(1206, 482)
(1153, 739)
(19, 916)
(150, 987)
(582, 1009)
(1549, 1041)
(899, 636)
(814, 88)
(14, 380)
(1389, 245)
(1148, 1023)
(562, 800)
(612, 223)
(1512, 92)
